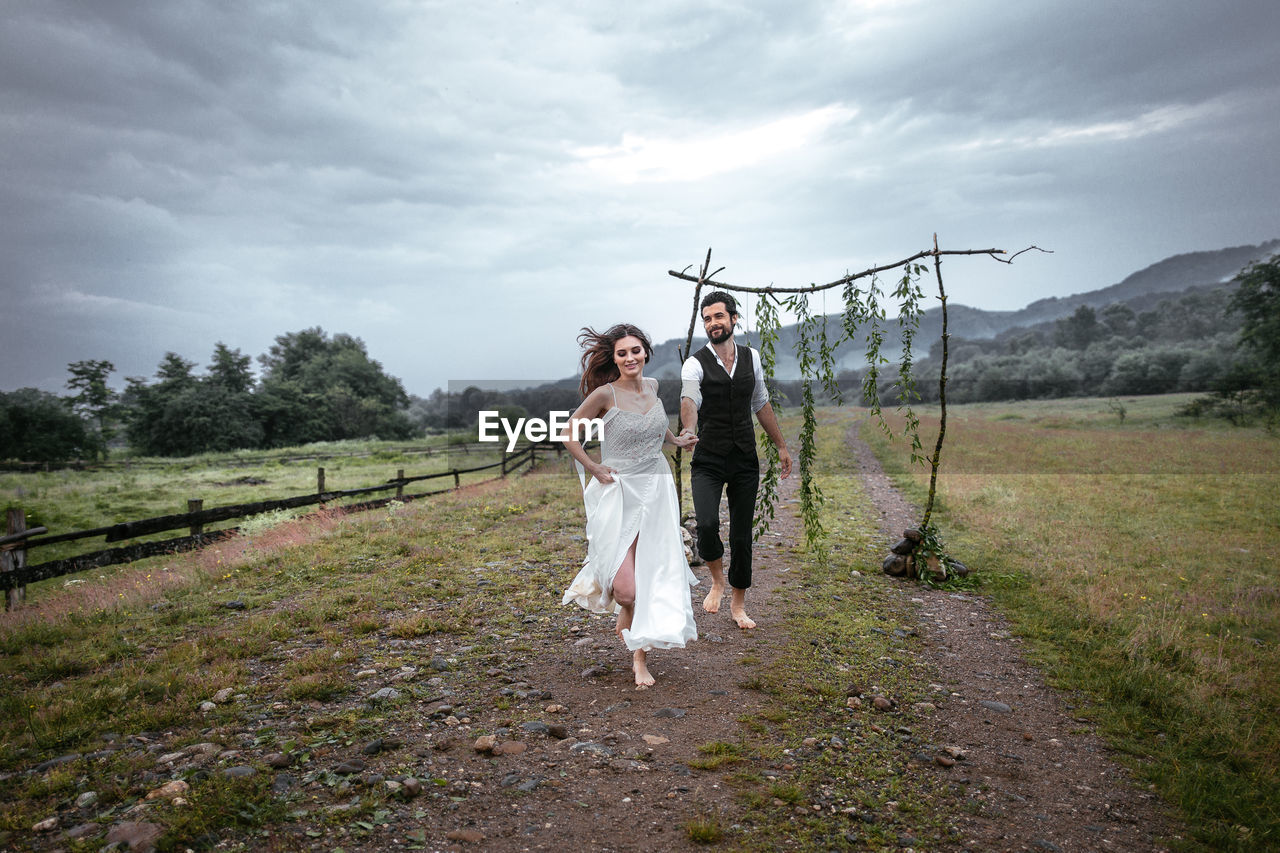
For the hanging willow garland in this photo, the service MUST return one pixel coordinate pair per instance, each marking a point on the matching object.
(864, 314)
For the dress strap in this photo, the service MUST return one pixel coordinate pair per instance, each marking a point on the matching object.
(615, 393)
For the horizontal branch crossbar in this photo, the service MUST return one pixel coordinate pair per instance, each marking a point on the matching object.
(813, 288)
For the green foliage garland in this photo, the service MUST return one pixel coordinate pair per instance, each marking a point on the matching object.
(863, 314)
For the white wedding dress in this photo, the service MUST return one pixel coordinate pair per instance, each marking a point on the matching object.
(639, 505)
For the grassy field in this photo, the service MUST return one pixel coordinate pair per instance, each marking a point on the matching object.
(1138, 557)
(126, 661)
(1141, 556)
(68, 499)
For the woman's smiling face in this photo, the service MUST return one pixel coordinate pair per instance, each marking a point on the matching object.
(628, 356)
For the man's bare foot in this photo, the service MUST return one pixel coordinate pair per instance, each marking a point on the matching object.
(640, 667)
(738, 609)
(711, 604)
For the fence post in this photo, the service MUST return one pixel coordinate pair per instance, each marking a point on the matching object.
(195, 505)
(400, 485)
(457, 481)
(14, 557)
(320, 483)
(504, 465)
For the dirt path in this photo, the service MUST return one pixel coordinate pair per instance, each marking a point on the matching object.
(1043, 780)
(601, 766)
(586, 762)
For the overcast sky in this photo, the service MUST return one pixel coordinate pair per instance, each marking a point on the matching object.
(464, 185)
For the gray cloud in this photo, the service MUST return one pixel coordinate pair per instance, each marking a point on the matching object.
(463, 186)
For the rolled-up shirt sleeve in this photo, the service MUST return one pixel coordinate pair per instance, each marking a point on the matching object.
(691, 381)
(760, 395)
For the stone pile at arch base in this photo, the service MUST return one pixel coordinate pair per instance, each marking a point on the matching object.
(908, 559)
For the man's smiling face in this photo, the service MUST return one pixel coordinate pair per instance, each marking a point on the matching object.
(718, 322)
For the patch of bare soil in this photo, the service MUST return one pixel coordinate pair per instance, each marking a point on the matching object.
(1037, 777)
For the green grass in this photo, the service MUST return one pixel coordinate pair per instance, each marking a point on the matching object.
(839, 637)
(139, 651)
(1142, 562)
(66, 500)
(1105, 542)
(705, 830)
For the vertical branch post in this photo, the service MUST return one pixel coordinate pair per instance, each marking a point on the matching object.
(683, 354)
(942, 390)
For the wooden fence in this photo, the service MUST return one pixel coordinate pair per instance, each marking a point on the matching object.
(15, 574)
(236, 461)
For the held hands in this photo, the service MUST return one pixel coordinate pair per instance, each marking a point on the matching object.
(685, 439)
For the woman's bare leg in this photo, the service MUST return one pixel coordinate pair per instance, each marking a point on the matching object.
(624, 590)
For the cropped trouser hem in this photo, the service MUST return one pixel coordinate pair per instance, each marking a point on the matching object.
(737, 476)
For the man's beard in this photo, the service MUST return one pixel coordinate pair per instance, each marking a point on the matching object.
(722, 336)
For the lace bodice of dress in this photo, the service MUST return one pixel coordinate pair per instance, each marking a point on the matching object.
(632, 435)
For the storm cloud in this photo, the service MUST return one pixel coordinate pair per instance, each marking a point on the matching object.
(464, 185)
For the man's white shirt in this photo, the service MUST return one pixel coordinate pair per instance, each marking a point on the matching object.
(691, 378)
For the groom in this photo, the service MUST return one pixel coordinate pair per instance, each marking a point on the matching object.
(721, 385)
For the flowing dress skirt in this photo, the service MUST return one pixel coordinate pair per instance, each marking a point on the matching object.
(639, 505)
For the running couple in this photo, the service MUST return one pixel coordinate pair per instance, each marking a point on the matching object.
(635, 555)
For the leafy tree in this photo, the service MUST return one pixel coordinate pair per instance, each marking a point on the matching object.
(1118, 319)
(320, 388)
(175, 371)
(230, 369)
(182, 414)
(94, 398)
(1079, 330)
(36, 426)
(1257, 301)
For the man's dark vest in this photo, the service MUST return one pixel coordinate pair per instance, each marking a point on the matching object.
(724, 419)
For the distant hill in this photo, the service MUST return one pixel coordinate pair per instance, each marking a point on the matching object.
(1141, 290)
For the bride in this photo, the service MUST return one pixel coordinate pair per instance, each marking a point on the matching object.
(635, 555)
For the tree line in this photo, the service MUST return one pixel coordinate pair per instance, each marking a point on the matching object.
(313, 387)
(1223, 341)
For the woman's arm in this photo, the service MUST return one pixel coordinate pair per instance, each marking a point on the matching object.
(594, 406)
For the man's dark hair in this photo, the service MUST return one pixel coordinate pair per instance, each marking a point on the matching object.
(715, 296)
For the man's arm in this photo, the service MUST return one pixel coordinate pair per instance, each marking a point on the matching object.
(770, 423)
(688, 416)
(690, 394)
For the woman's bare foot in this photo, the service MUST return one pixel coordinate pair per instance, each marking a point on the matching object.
(711, 603)
(625, 615)
(640, 667)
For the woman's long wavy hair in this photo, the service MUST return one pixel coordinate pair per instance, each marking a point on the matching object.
(597, 354)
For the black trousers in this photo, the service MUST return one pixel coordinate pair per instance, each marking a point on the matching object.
(739, 476)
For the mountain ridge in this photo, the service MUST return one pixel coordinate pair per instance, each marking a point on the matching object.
(1142, 289)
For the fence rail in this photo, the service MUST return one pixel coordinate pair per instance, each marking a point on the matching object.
(244, 461)
(15, 574)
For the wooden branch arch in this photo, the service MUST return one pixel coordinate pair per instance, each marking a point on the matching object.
(909, 314)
